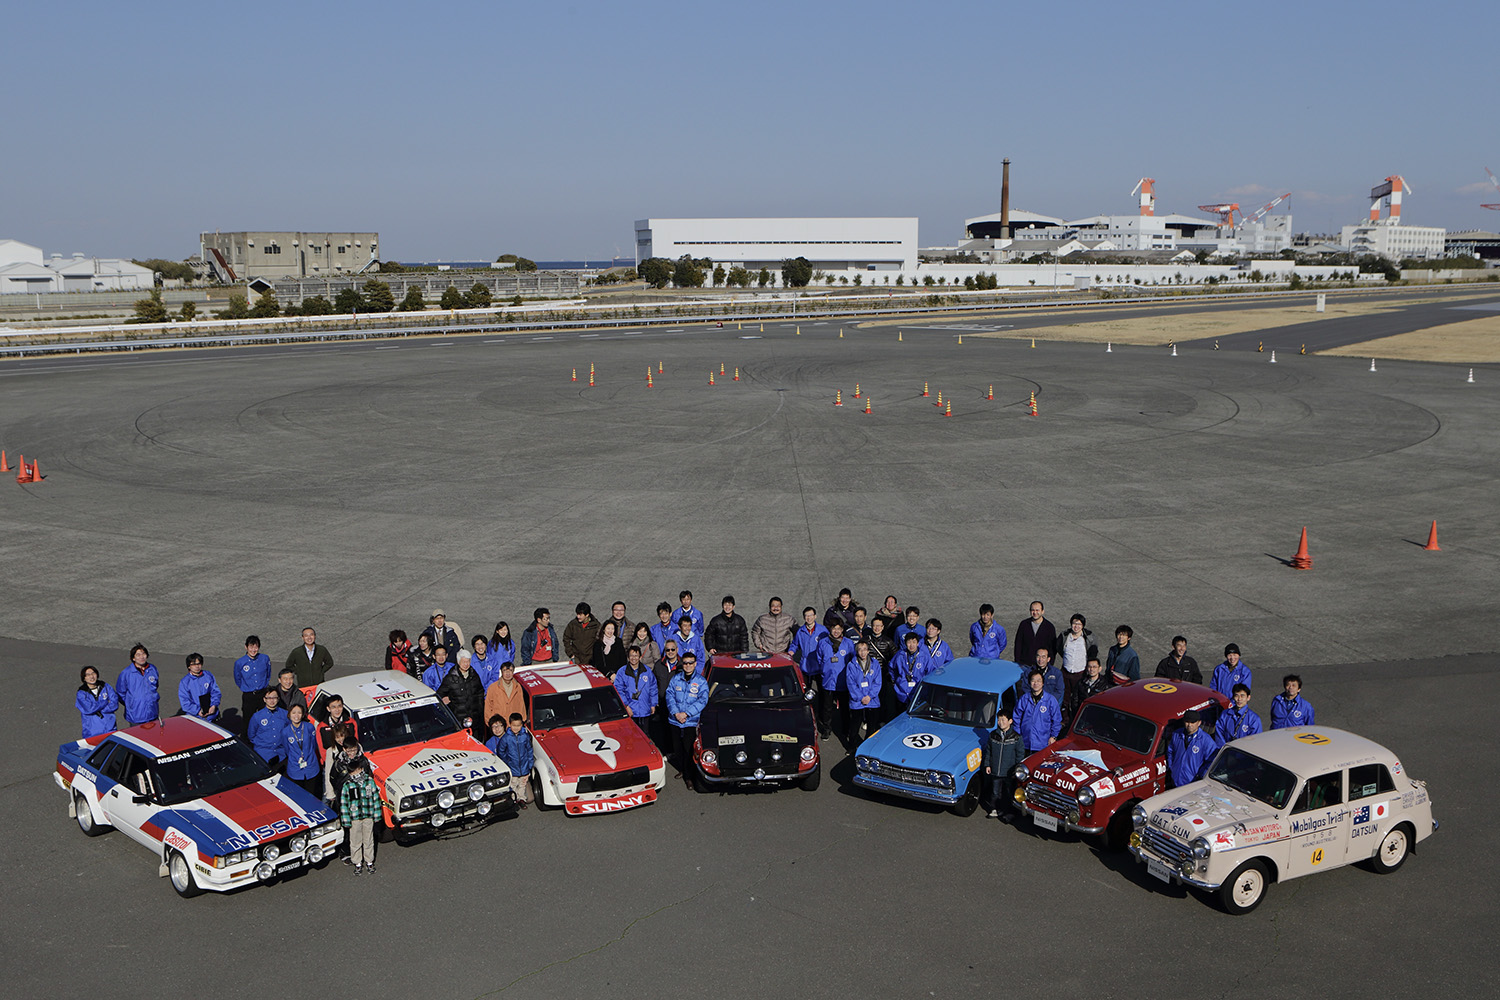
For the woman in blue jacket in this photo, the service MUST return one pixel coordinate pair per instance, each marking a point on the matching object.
(265, 728)
(96, 703)
(299, 746)
(862, 680)
(503, 645)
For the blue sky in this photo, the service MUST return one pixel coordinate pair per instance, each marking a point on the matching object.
(465, 130)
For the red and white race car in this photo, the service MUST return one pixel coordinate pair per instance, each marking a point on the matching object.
(590, 757)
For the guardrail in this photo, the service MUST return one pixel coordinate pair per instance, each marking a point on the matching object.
(250, 336)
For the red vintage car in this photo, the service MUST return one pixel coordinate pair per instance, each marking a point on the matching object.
(1113, 756)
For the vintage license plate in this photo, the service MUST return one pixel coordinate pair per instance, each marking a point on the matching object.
(1159, 870)
(1045, 821)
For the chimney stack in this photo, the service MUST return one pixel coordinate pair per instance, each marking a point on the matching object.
(1005, 199)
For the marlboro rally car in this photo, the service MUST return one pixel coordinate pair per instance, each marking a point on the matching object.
(1282, 804)
(590, 757)
(432, 775)
(932, 751)
(757, 727)
(1113, 756)
(198, 798)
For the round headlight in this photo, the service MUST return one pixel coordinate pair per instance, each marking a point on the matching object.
(1085, 796)
(438, 819)
(741, 757)
(1200, 848)
(809, 754)
(270, 852)
(484, 809)
(476, 791)
(314, 854)
(445, 799)
(264, 871)
(933, 778)
(1138, 816)
(710, 758)
(1021, 773)
(298, 844)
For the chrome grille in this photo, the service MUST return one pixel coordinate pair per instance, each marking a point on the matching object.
(1165, 846)
(907, 775)
(1050, 799)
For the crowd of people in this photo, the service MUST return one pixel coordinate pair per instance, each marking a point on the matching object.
(862, 668)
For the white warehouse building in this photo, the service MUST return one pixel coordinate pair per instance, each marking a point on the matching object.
(876, 244)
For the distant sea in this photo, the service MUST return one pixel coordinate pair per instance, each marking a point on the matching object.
(595, 263)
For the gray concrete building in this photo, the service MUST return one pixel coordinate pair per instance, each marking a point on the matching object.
(241, 256)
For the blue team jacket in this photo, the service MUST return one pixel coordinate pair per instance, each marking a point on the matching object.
(907, 671)
(686, 694)
(1287, 713)
(987, 642)
(299, 747)
(190, 692)
(140, 693)
(1226, 677)
(252, 673)
(859, 683)
(832, 662)
(637, 692)
(265, 733)
(1038, 720)
(1234, 723)
(97, 710)
(1188, 756)
(939, 653)
(433, 676)
(515, 750)
(692, 644)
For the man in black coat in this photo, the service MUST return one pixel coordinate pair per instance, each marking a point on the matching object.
(463, 692)
(309, 661)
(727, 632)
(1177, 665)
(1033, 634)
(440, 633)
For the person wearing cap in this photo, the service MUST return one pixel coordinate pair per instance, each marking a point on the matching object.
(198, 693)
(581, 635)
(1190, 750)
(1237, 720)
(1038, 717)
(1178, 665)
(505, 697)
(1231, 672)
(440, 633)
(310, 661)
(986, 639)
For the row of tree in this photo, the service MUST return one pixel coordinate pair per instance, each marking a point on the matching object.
(374, 297)
(688, 271)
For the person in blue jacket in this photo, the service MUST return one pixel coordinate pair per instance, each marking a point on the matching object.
(512, 744)
(804, 647)
(1053, 681)
(1237, 720)
(1231, 672)
(1289, 708)
(913, 623)
(485, 662)
(252, 675)
(139, 688)
(908, 667)
(834, 653)
(939, 653)
(96, 703)
(986, 639)
(265, 728)
(1190, 750)
(687, 694)
(1038, 714)
(1123, 661)
(437, 672)
(299, 748)
(198, 693)
(689, 640)
(696, 616)
(636, 684)
(862, 682)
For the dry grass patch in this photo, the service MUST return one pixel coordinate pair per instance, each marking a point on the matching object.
(1470, 341)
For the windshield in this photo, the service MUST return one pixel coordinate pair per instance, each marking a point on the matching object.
(955, 706)
(383, 730)
(772, 684)
(1248, 774)
(1117, 728)
(588, 707)
(218, 767)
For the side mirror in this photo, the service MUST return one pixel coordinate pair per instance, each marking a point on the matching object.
(141, 800)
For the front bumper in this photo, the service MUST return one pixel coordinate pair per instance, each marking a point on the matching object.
(608, 802)
(921, 793)
(757, 777)
(1175, 875)
(461, 816)
(1033, 811)
(244, 873)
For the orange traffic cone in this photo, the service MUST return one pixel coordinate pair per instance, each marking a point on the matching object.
(4, 465)
(649, 384)
(736, 373)
(856, 390)
(721, 368)
(939, 399)
(991, 394)
(948, 408)
(710, 376)
(591, 374)
(1432, 545)
(924, 388)
(1032, 413)
(659, 368)
(575, 374)
(838, 398)
(867, 404)
(36, 475)
(1302, 560)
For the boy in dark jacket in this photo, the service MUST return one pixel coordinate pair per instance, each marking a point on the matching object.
(1001, 755)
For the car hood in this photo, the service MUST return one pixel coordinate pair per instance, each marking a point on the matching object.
(1209, 809)
(926, 745)
(1077, 762)
(787, 723)
(615, 745)
(241, 818)
(433, 766)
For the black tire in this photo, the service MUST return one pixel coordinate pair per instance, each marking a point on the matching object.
(968, 802)
(1117, 834)
(812, 781)
(180, 874)
(1246, 888)
(699, 784)
(86, 821)
(1394, 849)
(537, 798)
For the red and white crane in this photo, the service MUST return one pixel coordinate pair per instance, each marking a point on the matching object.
(1388, 193)
(1497, 188)
(1260, 212)
(1147, 187)
(1225, 211)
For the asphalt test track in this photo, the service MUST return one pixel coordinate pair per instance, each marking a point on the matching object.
(195, 496)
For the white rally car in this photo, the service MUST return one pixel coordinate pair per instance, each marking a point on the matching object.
(1279, 805)
(590, 757)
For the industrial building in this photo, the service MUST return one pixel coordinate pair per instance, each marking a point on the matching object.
(1386, 235)
(873, 244)
(23, 268)
(242, 256)
(1472, 243)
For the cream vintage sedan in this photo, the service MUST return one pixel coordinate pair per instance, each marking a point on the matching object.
(1282, 804)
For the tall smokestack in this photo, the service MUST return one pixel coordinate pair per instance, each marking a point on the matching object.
(1005, 199)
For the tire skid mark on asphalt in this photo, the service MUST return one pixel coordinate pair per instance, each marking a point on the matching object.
(153, 439)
